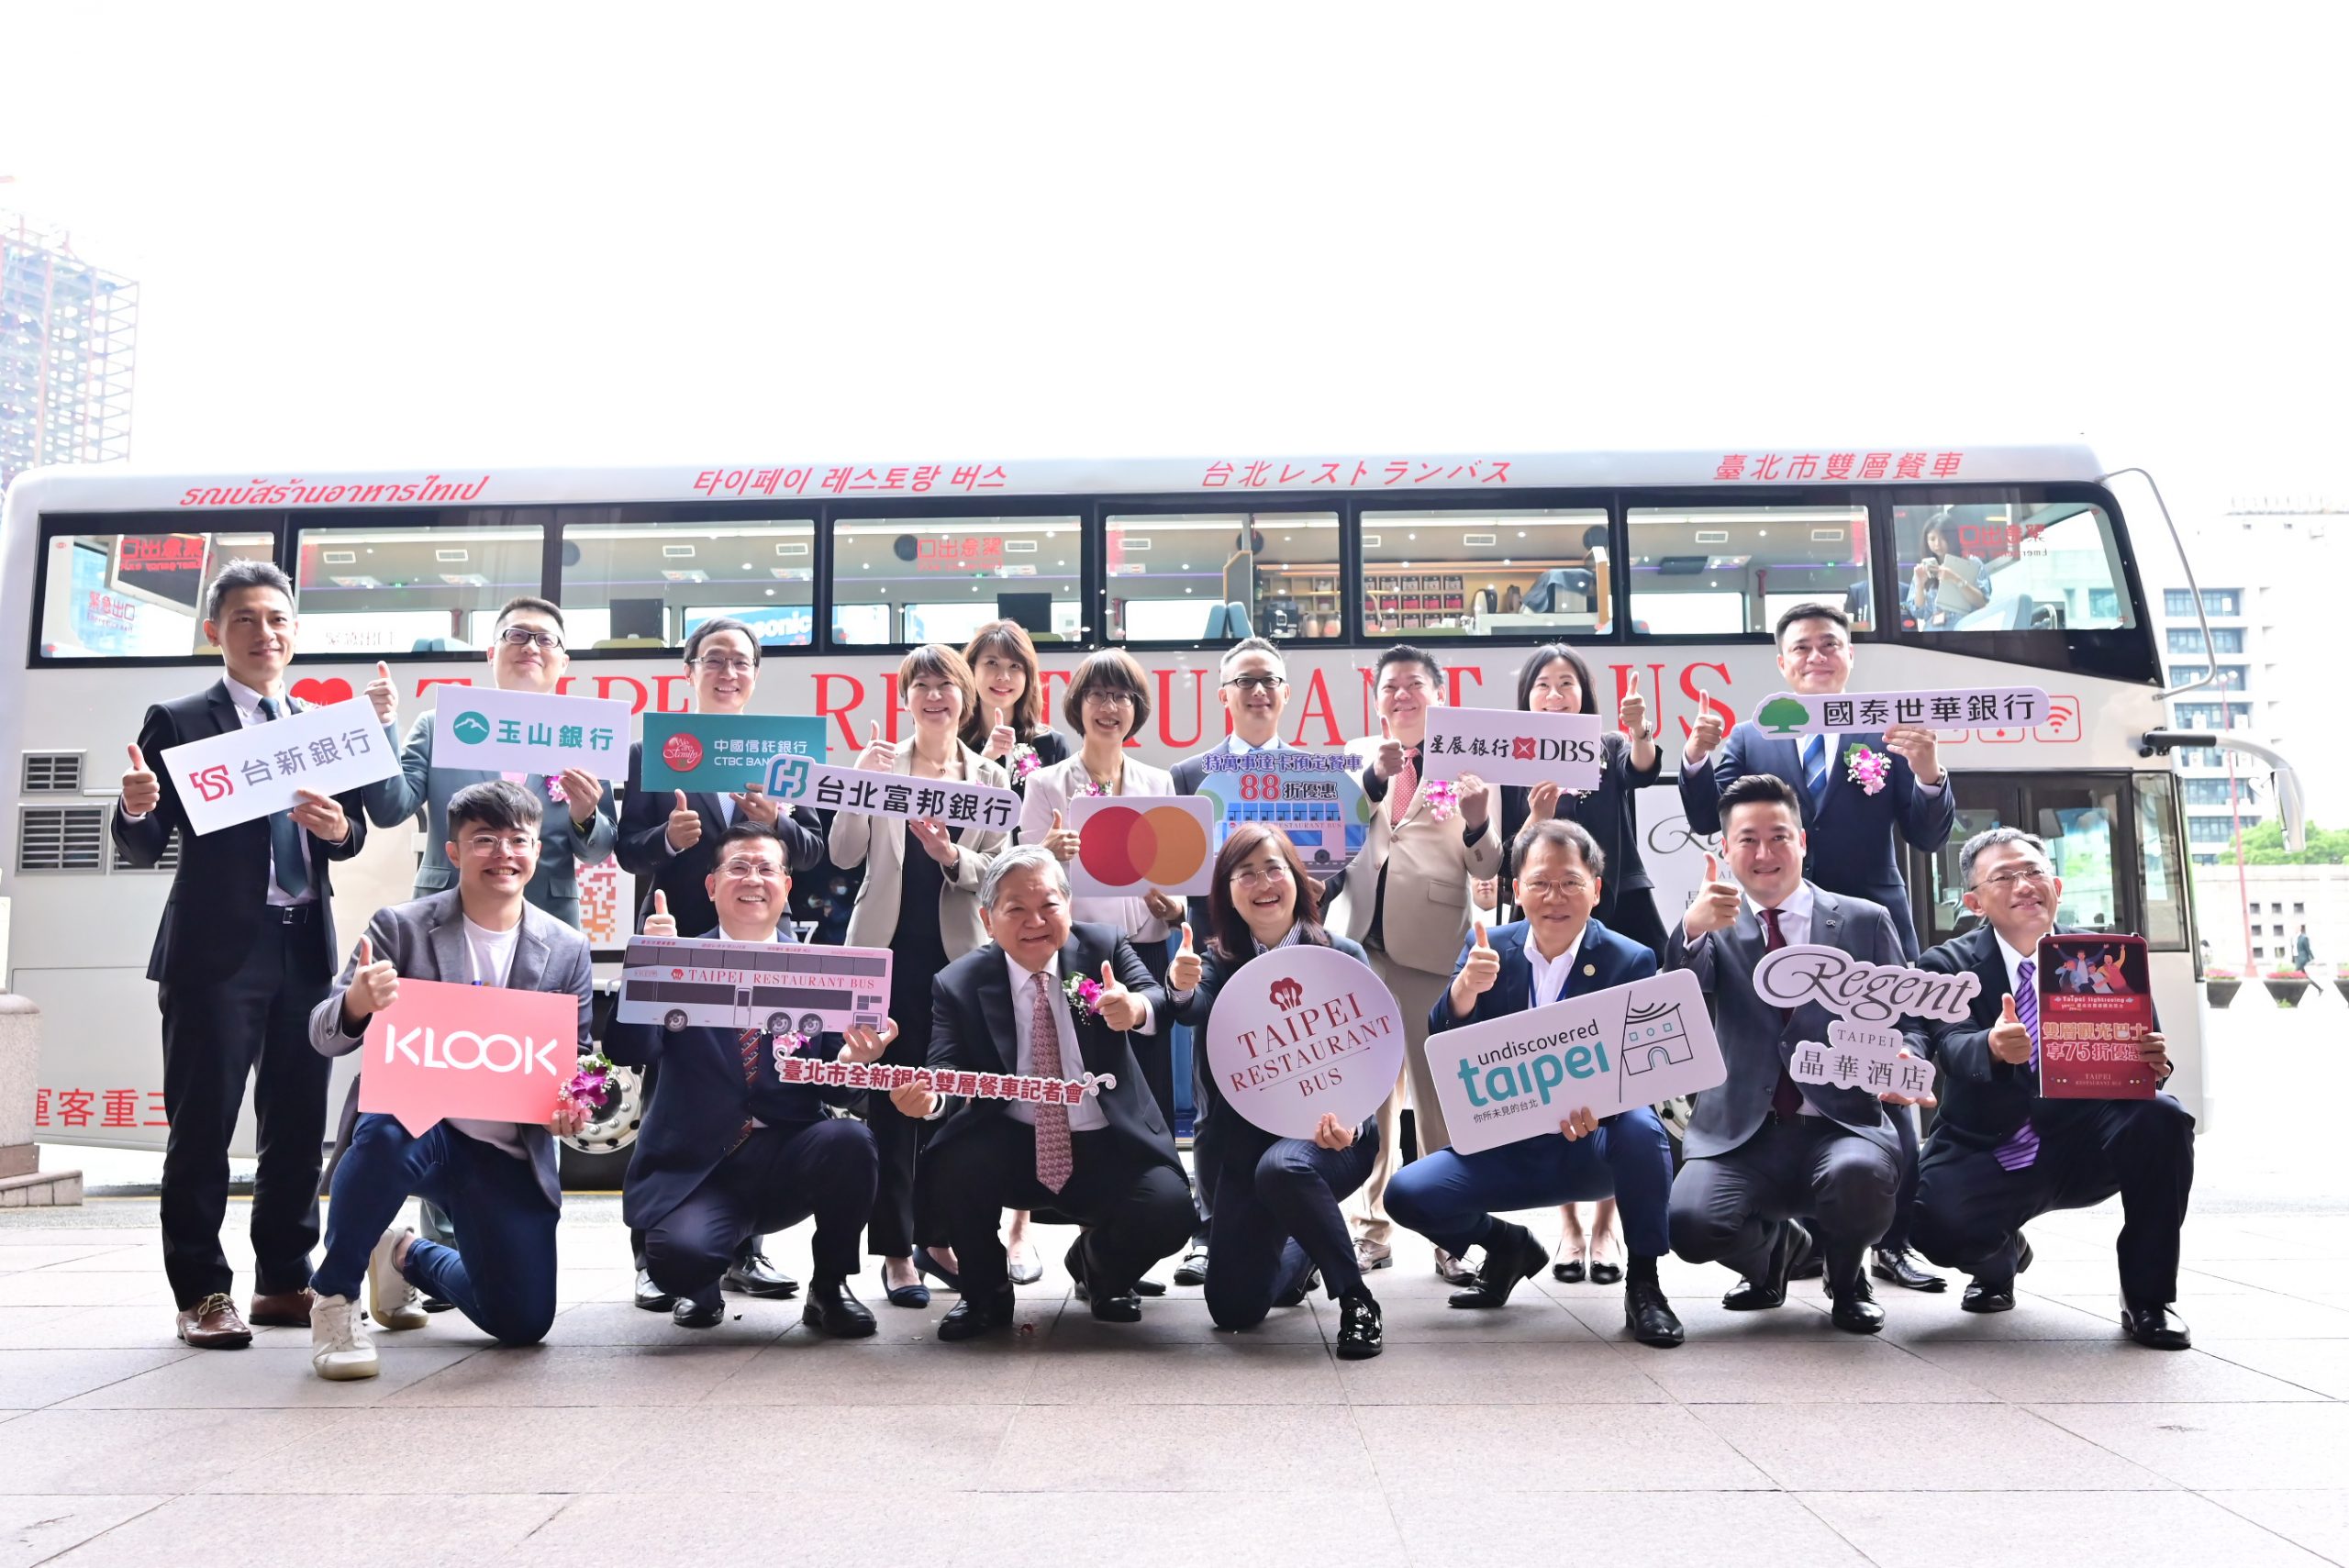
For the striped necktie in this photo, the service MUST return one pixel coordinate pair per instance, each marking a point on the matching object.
(1814, 768)
(2021, 1147)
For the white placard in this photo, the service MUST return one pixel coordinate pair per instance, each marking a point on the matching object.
(1500, 746)
(799, 782)
(1630, 1045)
(1138, 844)
(1848, 712)
(1301, 1031)
(254, 771)
(530, 732)
(1853, 988)
(1863, 1056)
(776, 987)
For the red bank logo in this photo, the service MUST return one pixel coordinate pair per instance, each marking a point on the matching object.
(1523, 746)
(682, 752)
(1287, 993)
(213, 783)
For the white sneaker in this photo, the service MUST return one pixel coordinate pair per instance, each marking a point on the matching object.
(341, 1350)
(391, 1300)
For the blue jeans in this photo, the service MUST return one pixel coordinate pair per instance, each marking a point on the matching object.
(1276, 1219)
(503, 1278)
(1448, 1196)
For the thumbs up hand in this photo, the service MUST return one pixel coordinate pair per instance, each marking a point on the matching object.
(1001, 738)
(141, 791)
(878, 756)
(1476, 976)
(379, 691)
(374, 987)
(2009, 1040)
(1061, 840)
(1632, 715)
(1119, 1008)
(1705, 736)
(660, 923)
(1182, 974)
(685, 826)
(1715, 907)
(1388, 761)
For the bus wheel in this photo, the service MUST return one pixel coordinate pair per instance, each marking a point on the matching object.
(676, 1021)
(812, 1025)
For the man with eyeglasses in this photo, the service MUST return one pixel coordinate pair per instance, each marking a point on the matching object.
(667, 841)
(729, 1150)
(1558, 951)
(1252, 683)
(2002, 1155)
(1855, 835)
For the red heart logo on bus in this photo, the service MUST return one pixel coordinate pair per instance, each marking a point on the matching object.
(319, 692)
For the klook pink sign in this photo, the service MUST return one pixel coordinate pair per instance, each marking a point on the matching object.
(477, 1051)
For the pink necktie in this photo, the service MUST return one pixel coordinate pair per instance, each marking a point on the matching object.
(1407, 785)
(1054, 1164)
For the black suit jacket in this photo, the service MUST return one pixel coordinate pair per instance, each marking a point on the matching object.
(644, 846)
(703, 1099)
(221, 887)
(973, 1017)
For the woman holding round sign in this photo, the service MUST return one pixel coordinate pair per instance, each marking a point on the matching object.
(1303, 1044)
(1008, 726)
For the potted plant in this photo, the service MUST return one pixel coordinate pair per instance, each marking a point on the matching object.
(2220, 984)
(2287, 986)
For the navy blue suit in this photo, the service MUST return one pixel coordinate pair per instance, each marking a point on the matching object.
(1449, 1197)
(698, 1185)
(1851, 849)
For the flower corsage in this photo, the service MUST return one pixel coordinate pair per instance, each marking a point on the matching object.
(1442, 796)
(592, 1087)
(1023, 761)
(1083, 995)
(1867, 769)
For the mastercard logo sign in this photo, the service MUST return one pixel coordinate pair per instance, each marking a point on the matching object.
(1157, 846)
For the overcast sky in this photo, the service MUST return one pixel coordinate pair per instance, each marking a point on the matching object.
(888, 232)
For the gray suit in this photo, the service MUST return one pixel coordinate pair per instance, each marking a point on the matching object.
(1749, 1169)
(554, 889)
(424, 939)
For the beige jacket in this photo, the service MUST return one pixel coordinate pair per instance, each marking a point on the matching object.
(1428, 868)
(880, 845)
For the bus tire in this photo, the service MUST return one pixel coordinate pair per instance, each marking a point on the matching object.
(811, 1024)
(676, 1021)
(778, 1023)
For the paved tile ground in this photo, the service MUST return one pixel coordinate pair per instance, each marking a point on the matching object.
(1536, 1434)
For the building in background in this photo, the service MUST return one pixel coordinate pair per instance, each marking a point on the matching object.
(67, 335)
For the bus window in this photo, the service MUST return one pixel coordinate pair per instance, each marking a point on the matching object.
(410, 590)
(136, 595)
(651, 585)
(1220, 576)
(1531, 573)
(2162, 921)
(1730, 571)
(1946, 915)
(2009, 566)
(940, 579)
(2078, 820)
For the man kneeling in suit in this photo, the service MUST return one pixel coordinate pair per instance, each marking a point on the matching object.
(1107, 1162)
(1556, 952)
(1761, 1148)
(729, 1150)
(495, 1180)
(2000, 1156)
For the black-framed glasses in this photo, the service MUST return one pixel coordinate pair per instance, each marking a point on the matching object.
(1257, 683)
(530, 636)
(719, 664)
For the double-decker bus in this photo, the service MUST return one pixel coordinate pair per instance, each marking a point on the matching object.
(1667, 569)
(778, 988)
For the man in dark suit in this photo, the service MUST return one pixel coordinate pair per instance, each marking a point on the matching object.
(245, 951)
(668, 840)
(496, 1179)
(1762, 1149)
(1109, 1162)
(1556, 952)
(1252, 683)
(728, 1150)
(1851, 831)
(2002, 1155)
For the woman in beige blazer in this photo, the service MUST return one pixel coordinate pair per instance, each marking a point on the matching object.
(920, 897)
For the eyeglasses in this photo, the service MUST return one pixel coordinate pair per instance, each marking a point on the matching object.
(1546, 889)
(2011, 877)
(1257, 683)
(1108, 697)
(490, 843)
(1260, 875)
(530, 636)
(712, 664)
(744, 868)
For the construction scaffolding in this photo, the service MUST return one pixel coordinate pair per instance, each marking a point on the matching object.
(66, 349)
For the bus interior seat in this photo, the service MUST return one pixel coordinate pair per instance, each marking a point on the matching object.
(1543, 597)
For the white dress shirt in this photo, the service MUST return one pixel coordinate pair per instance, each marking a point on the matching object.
(1552, 974)
(1085, 1116)
(1052, 789)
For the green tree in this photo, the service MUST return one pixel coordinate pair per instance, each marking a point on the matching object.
(1782, 716)
(2263, 846)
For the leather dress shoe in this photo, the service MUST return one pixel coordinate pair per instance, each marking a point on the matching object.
(1648, 1315)
(1896, 1266)
(751, 1274)
(1125, 1307)
(281, 1309)
(832, 1308)
(2158, 1326)
(926, 1264)
(1361, 1333)
(1193, 1269)
(1510, 1254)
(1813, 1266)
(1986, 1294)
(1370, 1255)
(1793, 1248)
(973, 1316)
(691, 1314)
(212, 1324)
(1855, 1311)
(1456, 1271)
(1148, 1286)
(649, 1297)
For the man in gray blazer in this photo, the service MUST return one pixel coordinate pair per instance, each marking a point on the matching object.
(496, 1179)
(1761, 1148)
(526, 654)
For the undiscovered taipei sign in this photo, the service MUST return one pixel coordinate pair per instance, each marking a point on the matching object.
(476, 1052)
